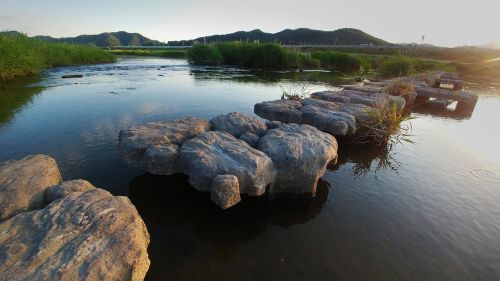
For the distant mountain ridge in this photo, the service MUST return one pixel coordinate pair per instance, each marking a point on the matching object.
(106, 39)
(301, 36)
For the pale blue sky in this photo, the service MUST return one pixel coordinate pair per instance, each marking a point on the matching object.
(443, 22)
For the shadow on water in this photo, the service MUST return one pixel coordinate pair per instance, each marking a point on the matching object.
(175, 211)
(14, 95)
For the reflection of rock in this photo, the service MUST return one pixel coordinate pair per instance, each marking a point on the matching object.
(80, 232)
(219, 153)
(203, 155)
(23, 184)
(300, 153)
(185, 225)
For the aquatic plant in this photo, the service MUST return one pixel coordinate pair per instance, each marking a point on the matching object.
(21, 56)
(386, 125)
(295, 91)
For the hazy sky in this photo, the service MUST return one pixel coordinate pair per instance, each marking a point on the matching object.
(443, 22)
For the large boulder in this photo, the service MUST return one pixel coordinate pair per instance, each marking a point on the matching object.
(88, 235)
(218, 153)
(156, 136)
(300, 154)
(333, 122)
(23, 184)
(78, 232)
(286, 111)
(237, 123)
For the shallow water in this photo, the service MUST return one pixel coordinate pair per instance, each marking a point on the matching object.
(423, 211)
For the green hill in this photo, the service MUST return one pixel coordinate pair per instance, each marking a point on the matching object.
(107, 39)
(344, 36)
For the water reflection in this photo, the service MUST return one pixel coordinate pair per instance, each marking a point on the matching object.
(15, 95)
(252, 76)
(172, 208)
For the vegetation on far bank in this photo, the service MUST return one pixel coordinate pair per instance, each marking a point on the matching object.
(21, 56)
(275, 57)
(164, 53)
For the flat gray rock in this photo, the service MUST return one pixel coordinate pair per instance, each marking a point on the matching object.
(136, 140)
(332, 106)
(300, 154)
(237, 123)
(333, 122)
(23, 184)
(286, 111)
(218, 153)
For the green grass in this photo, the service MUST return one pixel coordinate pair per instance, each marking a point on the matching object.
(272, 56)
(21, 56)
(170, 53)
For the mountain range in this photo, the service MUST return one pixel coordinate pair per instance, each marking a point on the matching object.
(107, 39)
(301, 36)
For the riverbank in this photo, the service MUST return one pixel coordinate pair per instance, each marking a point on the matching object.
(276, 57)
(21, 56)
(163, 53)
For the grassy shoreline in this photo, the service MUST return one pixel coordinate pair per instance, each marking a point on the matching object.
(165, 53)
(275, 57)
(21, 56)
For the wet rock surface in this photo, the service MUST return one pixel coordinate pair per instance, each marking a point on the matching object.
(286, 111)
(79, 233)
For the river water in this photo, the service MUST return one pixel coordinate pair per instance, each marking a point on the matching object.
(426, 210)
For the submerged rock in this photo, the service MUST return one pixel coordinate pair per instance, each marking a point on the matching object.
(79, 233)
(225, 191)
(237, 123)
(300, 154)
(218, 153)
(23, 184)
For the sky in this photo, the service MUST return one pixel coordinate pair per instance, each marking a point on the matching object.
(442, 22)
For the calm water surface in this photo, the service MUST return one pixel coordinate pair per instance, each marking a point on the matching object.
(423, 211)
